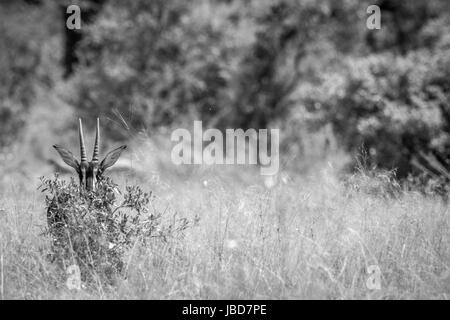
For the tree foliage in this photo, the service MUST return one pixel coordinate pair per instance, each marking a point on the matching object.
(253, 64)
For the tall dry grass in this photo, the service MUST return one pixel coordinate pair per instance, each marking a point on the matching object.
(300, 237)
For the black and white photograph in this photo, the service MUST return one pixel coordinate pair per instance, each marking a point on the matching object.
(209, 150)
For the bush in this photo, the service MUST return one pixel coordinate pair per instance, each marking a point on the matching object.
(395, 107)
(95, 230)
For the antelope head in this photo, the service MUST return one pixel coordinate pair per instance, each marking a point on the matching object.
(89, 172)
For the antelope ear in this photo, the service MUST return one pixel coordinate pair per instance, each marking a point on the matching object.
(67, 157)
(111, 158)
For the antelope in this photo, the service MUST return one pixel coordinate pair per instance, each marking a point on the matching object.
(89, 172)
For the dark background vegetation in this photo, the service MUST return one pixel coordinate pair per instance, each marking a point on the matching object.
(291, 64)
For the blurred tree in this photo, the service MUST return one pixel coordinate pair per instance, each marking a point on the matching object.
(403, 22)
(396, 108)
(270, 71)
(153, 63)
(237, 63)
(72, 38)
(20, 64)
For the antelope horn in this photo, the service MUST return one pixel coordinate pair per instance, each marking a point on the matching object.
(82, 147)
(97, 142)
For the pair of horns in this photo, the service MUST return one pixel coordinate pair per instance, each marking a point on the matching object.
(96, 145)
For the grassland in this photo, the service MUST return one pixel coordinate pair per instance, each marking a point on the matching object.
(309, 236)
